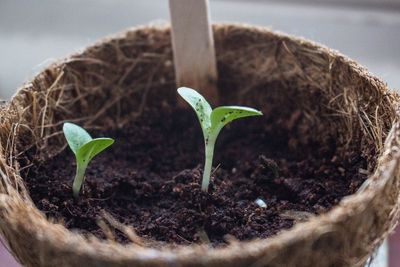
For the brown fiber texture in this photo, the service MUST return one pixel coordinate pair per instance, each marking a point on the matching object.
(111, 82)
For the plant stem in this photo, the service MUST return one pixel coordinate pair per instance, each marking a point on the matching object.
(78, 180)
(209, 151)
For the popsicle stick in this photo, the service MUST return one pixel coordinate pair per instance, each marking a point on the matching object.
(193, 47)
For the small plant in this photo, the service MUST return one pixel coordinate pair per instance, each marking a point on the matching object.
(212, 121)
(85, 149)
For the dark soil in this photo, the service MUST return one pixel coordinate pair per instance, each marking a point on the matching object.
(150, 179)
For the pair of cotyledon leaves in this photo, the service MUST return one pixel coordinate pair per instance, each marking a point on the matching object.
(212, 121)
(82, 144)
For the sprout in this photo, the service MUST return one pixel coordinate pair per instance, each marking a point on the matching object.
(212, 121)
(85, 149)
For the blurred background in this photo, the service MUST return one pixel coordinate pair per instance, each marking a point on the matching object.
(33, 34)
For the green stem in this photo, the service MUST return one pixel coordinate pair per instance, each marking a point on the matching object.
(79, 178)
(209, 151)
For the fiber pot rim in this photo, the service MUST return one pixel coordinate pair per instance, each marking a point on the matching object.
(317, 226)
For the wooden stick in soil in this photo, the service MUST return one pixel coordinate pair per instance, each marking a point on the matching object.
(193, 47)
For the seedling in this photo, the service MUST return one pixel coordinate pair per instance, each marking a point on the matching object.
(85, 149)
(212, 121)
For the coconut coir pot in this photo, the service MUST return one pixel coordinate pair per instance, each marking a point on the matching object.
(325, 99)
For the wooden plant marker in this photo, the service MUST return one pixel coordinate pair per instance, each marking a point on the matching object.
(193, 47)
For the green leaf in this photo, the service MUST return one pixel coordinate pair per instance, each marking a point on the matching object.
(89, 150)
(199, 104)
(76, 136)
(221, 116)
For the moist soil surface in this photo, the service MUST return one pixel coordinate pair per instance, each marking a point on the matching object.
(150, 179)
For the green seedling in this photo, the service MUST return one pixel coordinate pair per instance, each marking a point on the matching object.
(212, 121)
(85, 149)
